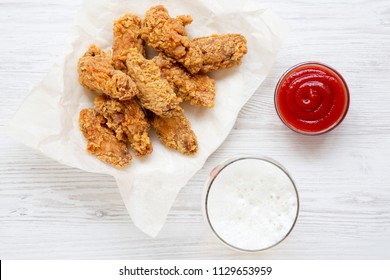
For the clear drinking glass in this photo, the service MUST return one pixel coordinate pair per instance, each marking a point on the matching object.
(210, 202)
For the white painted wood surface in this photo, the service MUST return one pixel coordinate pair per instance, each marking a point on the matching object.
(48, 210)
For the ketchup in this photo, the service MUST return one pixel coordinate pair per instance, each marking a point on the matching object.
(311, 98)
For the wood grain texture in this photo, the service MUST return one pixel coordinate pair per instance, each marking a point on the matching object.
(48, 210)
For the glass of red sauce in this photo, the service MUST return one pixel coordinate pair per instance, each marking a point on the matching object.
(311, 98)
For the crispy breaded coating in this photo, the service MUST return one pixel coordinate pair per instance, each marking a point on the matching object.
(221, 51)
(168, 35)
(97, 74)
(155, 93)
(101, 140)
(129, 122)
(197, 89)
(176, 133)
(184, 19)
(127, 35)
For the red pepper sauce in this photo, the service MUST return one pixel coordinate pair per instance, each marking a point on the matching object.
(312, 98)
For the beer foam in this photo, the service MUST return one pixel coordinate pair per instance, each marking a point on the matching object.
(252, 204)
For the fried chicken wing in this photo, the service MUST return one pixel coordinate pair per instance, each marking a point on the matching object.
(101, 140)
(127, 35)
(176, 133)
(97, 74)
(129, 122)
(221, 51)
(197, 89)
(155, 93)
(168, 35)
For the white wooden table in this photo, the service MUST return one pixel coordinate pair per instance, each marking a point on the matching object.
(48, 210)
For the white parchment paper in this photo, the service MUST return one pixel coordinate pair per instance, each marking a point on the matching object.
(48, 119)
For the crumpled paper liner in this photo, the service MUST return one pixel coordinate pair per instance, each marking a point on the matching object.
(48, 118)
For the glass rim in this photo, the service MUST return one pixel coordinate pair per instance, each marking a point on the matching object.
(346, 91)
(214, 174)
